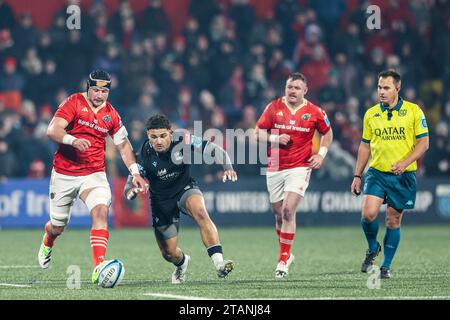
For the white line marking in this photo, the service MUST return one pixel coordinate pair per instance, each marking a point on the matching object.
(19, 267)
(174, 296)
(179, 297)
(15, 285)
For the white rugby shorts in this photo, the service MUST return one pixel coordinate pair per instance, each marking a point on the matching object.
(64, 190)
(288, 180)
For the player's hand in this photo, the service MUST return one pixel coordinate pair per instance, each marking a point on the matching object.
(81, 144)
(284, 139)
(230, 175)
(315, 162)
(398, 168)
(133, 193)
(356, 186)
(140, 183)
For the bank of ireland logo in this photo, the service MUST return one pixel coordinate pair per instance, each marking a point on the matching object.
(443, 200)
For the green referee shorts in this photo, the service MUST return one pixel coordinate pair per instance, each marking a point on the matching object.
(399, 192)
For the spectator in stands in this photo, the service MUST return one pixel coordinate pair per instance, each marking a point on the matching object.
(243, 15)
(206, 56)
(155, 19)
(25, 35)
(11, 79)
(332, 91)
(7, 20)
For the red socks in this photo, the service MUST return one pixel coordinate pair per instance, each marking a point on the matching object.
(286, 241)
(99, 243)
(278, 232)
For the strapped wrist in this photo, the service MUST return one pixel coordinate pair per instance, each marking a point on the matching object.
(323, 152)
(274, 138)
(134, 169)
(68, 139)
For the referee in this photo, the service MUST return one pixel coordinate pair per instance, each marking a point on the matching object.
(395, 135)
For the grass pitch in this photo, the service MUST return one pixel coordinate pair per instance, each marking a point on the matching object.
(326, 266)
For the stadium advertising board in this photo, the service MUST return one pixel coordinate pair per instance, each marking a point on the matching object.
(24, 203)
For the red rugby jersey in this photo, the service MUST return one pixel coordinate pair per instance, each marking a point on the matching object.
(277, 118)
(84, 123)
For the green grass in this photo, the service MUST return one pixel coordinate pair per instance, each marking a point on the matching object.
(327, 265)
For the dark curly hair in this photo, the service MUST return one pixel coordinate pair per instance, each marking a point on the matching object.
(158, 121)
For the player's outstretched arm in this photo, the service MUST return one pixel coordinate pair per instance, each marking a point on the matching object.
(128, 157)
(221, 157)
(57, 132)
(361, 162)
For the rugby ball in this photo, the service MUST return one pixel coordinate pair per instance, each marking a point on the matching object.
(111, 274)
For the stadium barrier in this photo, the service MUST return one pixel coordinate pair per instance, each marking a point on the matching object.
(24, 203)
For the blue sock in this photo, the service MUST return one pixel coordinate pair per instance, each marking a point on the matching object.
(391, 241)
(371, 231)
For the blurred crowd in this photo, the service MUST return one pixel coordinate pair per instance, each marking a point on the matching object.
(224, 67)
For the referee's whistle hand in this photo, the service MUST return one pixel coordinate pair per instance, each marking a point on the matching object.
(398, 167)
(356, 187)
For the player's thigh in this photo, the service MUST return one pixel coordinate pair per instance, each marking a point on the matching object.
(193, 204)
(275, 182)
(165, 218)
(95, 191)
(297, 181)
(63, 191)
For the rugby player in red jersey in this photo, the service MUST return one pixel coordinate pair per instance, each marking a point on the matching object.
(80, 127)
(289, 124)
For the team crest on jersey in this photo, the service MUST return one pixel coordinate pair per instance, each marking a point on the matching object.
(154, 163)
(162, 172)
(291, 121)
(306, 116)
(107, 118)
(402, 113)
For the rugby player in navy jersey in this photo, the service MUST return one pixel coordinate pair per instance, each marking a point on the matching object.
(165, 160)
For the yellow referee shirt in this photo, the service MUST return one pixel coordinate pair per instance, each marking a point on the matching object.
(392, 134)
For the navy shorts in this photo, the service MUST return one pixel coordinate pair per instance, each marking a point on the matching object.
(166, 213)
(399, 192)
